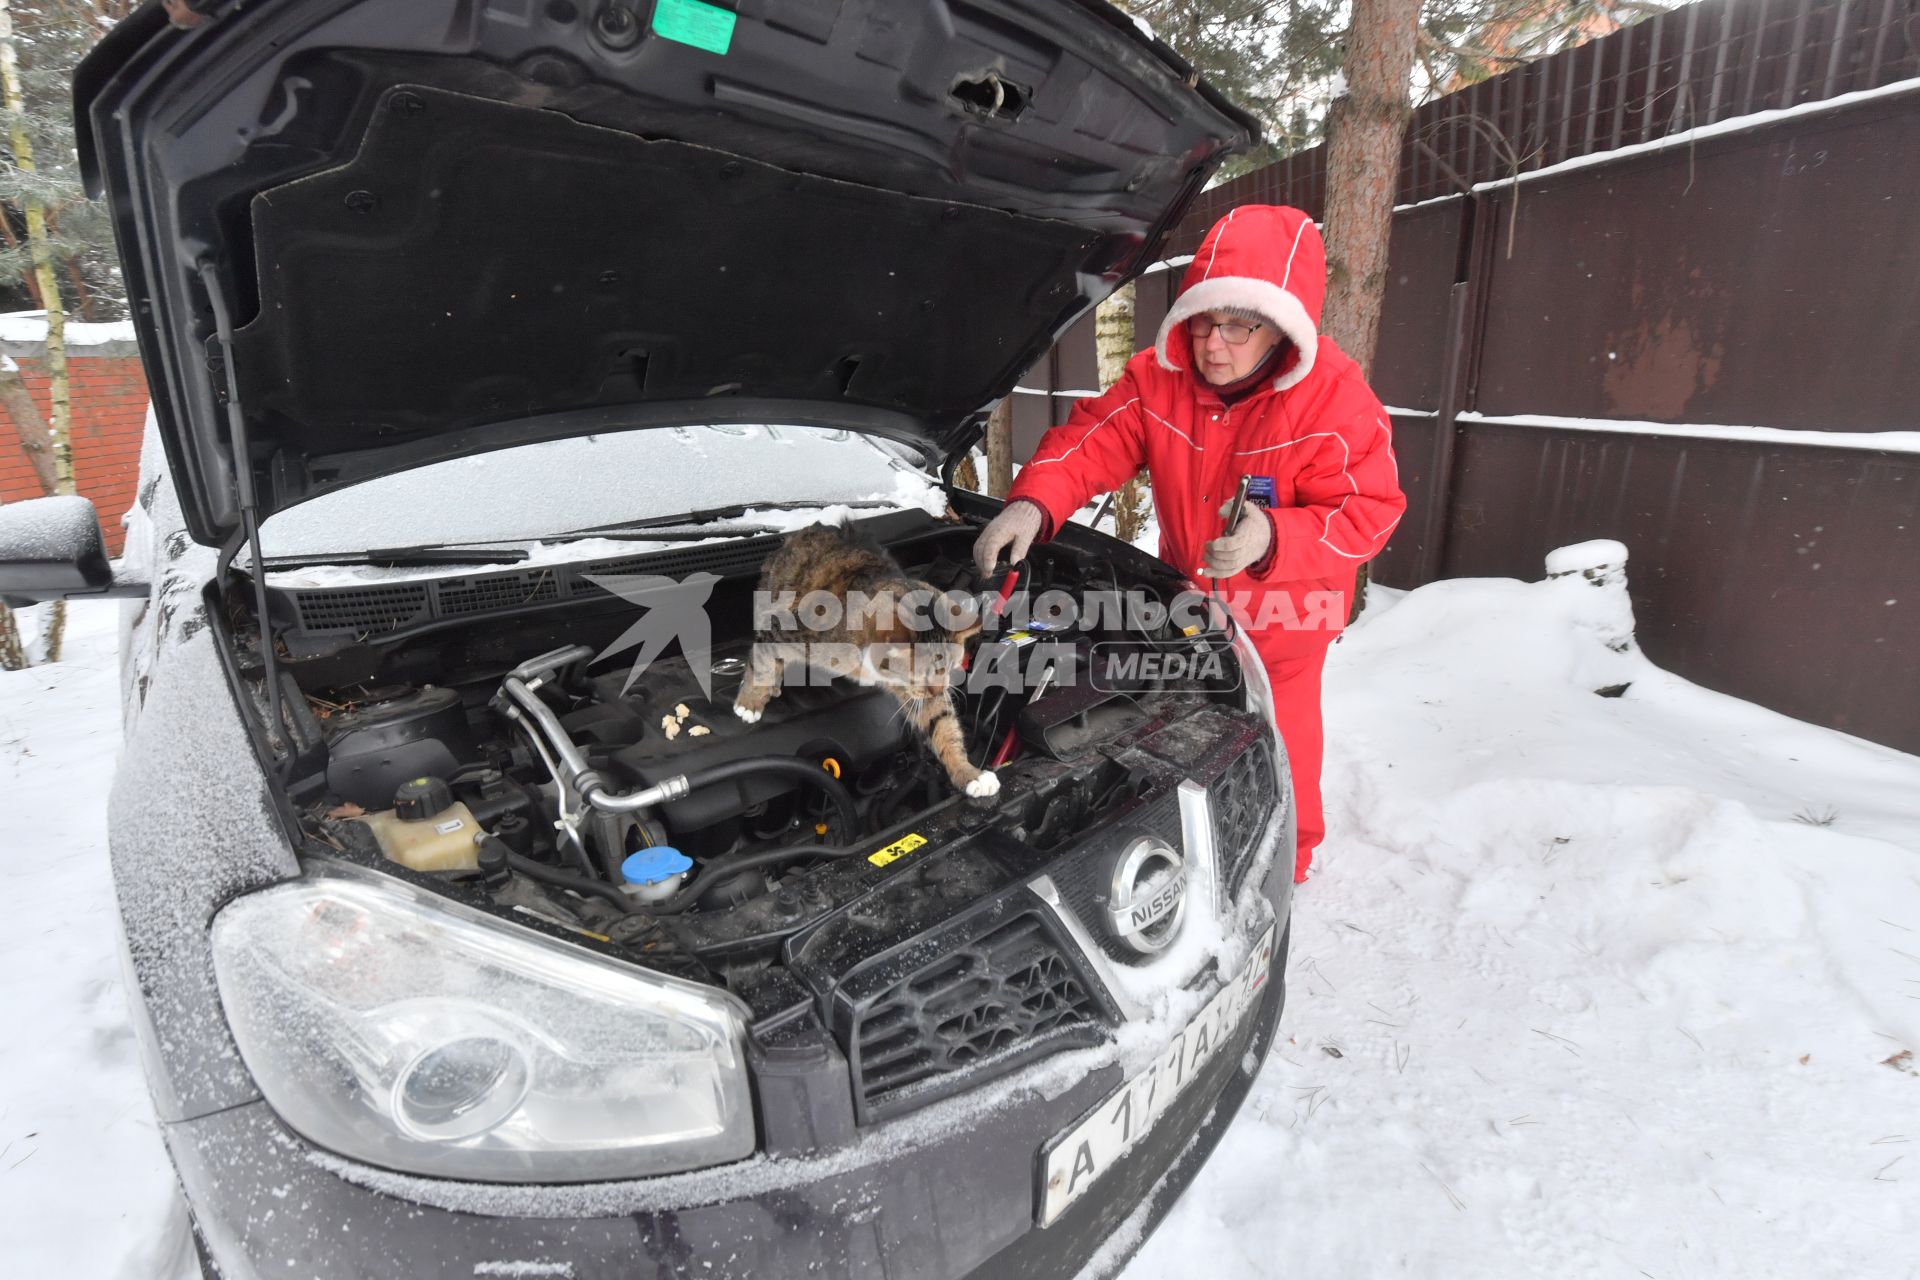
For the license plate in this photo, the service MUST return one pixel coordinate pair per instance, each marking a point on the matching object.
(1076, 1159)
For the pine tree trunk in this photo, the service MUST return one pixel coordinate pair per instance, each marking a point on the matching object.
(1000, 449)
(58, 387)
(1113, 347)
(1130, 508)
(1113, 335)
(1364, 132)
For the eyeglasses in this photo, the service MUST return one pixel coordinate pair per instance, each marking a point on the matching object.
(1234, 332)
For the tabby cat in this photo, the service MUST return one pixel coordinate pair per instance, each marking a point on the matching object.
(865, 638)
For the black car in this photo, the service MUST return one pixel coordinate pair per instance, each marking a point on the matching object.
(462, 944)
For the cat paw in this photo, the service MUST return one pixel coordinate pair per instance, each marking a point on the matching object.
(987, 784)
(751, 717)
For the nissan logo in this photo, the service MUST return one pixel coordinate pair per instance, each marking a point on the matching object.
(1147, 896)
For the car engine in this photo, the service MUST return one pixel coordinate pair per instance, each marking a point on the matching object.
(503, 759)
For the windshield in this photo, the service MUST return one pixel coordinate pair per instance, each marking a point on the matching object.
(785, 476)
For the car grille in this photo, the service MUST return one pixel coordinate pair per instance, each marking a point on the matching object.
(1243, 799)
(1007, 996)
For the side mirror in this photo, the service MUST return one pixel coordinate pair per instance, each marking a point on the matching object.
(51, 549)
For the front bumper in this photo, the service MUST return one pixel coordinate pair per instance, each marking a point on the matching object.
(943, 1194)
(941, 1191)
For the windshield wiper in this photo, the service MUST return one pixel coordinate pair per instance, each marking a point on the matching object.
(687, 527)
(707, 516)
(404, 557)
(649, 529)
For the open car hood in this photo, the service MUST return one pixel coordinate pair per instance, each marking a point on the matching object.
(432, 227)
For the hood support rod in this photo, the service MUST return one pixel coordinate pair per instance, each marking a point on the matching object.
(249, 507)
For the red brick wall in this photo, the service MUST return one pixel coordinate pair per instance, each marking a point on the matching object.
(109, 413)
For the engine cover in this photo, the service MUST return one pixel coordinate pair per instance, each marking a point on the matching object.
(856, 725)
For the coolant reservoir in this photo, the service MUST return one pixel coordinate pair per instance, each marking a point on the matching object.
(427, 829)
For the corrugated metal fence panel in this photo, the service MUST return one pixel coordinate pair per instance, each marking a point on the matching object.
(1421, 262)
(1071, 369)
(1032, 415)
(1076, 365)
(1690, 66)
(1785, 575)
(1152, 296)
(1049, 389)
(1763, 277)
(1398, 564)
(1757, 277)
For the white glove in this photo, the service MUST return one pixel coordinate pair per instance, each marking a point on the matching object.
(1013, 531)
(1241, 546)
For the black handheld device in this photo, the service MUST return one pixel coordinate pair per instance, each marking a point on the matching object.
(1239, 504)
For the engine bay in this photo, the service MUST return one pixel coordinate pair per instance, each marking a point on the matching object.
(518, 761)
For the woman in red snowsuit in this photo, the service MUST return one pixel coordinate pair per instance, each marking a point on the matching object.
(1239, 382)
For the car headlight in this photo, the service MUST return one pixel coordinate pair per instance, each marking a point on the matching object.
(399, 1028)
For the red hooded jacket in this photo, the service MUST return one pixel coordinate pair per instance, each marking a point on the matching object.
(1314, 433)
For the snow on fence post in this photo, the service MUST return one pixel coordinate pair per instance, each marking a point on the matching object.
(1593, 584)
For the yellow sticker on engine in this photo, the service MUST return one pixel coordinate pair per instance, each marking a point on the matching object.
(897, 850)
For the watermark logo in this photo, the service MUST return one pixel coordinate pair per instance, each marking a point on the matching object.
(672, 609)
(1119, 666)
(1114, 640)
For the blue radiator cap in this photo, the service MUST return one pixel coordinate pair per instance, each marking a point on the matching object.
(651, 866)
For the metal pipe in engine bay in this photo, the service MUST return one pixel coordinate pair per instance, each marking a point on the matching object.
(525, 706)
(522, 705)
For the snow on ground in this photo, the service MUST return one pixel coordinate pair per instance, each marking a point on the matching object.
(85, 1188)
(31, 326)
(1581, 985)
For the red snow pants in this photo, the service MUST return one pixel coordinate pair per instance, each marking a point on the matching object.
(1295, 681)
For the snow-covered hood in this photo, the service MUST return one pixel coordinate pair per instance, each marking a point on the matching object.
(395, 231)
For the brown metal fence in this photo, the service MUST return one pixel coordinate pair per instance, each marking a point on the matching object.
(1689, 343)
(1693, 66)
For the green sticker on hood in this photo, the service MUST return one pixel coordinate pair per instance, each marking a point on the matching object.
(704, 26)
